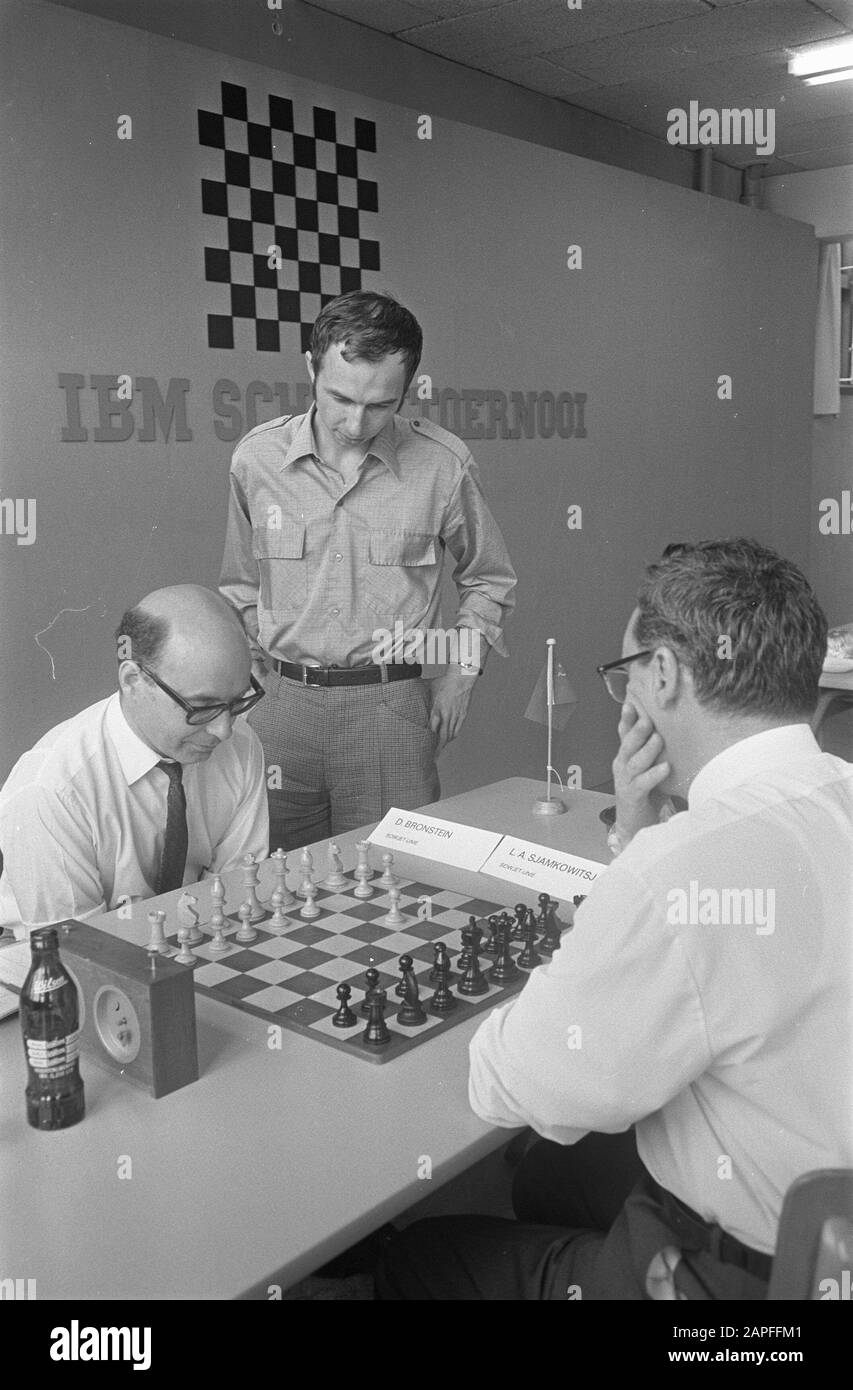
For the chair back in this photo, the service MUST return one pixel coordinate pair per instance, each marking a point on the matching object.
(814, 1251)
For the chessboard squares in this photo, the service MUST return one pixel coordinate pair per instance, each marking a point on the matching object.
(267, 335)
(304, 151)
(329, 249)
(240, 236)
(330, 280)
(374, 954)
(262, 206)
(288, 306)
(308, 1012)
(308, 958)
(306, 215)
(309, 278)
(325, 124)
(217, 265)
(281, 113)
(306, 983)
(274, 972)
(365, 135)
(367, 195)
(327, 188)
(212, 974)
(240, 986)
(214, 198)
(236, 138)
(266, 306)
(477, 907)
(211, 130)
(240, 203)
(350, 279)
(259, 141)
(306, 334)
(264, 275)
(234, 102)
(282, 147)
(308, 243)
(346, 161)
(237, 169)
(220, 331)
(276, 947)
(287, 241)
(368, 254)
(283, 179)
(243, 301)
(275, 999)
(428, 929)
(244, 960)
(339, 968)
(311, 307)
(348, 223)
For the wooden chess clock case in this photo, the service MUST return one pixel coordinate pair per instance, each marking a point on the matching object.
(137, 1011)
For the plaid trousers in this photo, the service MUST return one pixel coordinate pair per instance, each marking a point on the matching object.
(338, 757)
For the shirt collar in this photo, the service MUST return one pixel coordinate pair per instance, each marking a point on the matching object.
(383, 447)
(135, 757)
(751, 757)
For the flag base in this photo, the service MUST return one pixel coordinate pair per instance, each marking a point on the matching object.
(553, 807)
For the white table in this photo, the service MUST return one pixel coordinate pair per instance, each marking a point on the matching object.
(273, 1161)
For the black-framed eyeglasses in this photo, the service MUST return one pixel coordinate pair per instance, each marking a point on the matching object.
(616, 675)
(205, 714)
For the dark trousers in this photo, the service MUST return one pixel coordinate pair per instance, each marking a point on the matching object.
(591, 1226)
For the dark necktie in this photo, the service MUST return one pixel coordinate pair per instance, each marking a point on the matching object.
(174, 857)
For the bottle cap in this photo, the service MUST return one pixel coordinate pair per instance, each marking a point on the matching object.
(44, 939)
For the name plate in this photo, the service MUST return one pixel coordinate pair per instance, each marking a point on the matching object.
(542, 869)
(445, 841)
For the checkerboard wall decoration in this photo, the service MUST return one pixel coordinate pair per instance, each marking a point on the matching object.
(307, 194)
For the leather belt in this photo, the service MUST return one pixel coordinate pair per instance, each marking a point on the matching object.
(347, 675)
(696, 1234)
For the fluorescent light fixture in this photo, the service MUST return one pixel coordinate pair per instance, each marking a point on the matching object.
(824, 57)
(846, 75)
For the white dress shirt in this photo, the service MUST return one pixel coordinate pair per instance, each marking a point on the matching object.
(83, 817)
(727, 1037)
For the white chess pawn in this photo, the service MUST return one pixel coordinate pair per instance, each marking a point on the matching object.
(363, 888)
(395, 917)
(278, 921)
(306, 863)
(247, 931)
(217, 898)
(388, 879)
(219, 946)
(309, 907)
(185, 956)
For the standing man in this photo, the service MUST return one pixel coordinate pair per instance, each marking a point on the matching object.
(337, 526)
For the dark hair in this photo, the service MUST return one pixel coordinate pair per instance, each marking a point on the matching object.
(695, 595)
(140, 637)
(368, 326)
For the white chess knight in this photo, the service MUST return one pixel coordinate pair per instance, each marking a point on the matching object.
(335, 878)
(188, 916)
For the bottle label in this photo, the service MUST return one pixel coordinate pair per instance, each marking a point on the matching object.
(53, 1057)
(41, 986)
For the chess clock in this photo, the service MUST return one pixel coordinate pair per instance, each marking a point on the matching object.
(137, 1011)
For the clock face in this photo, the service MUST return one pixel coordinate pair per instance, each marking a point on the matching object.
(116, 1023)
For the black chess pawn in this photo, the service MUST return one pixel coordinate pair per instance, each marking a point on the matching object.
(465, 954)
(376, 1033)
(344, 1018)
(543, 901)
(551, 940)
(490, 947)
(578, 899)
(529, 958)
(442, 962)
(371, 982)
(473, 981)
(443, 1001)
(411, 1013)
(520, 922)
(504, 968)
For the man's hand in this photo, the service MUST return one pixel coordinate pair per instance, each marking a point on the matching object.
(638, 770)
(451, 696)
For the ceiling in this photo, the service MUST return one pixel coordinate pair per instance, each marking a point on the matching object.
(632, 61)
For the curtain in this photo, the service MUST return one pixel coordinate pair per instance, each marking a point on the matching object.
(827, 395)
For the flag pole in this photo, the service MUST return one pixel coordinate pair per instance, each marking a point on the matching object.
(550, 805)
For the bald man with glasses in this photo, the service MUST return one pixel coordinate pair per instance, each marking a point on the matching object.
(157, 786)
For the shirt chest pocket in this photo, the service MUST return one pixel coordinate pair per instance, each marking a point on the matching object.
(282, 567)
(402, 573)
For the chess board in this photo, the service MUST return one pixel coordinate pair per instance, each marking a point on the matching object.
(289, 978)
(305, 192)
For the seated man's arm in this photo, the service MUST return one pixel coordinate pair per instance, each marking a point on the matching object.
(50, 859)
(606, 1033)
(249, 826)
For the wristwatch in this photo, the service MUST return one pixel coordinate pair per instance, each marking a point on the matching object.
(469, 668)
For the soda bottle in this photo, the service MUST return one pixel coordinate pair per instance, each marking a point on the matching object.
(50, 1020)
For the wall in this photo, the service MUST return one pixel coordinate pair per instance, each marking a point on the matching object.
(104, 275)
(824, 198)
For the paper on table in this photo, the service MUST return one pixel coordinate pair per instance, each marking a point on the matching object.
(541, 868)
(445, 841)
